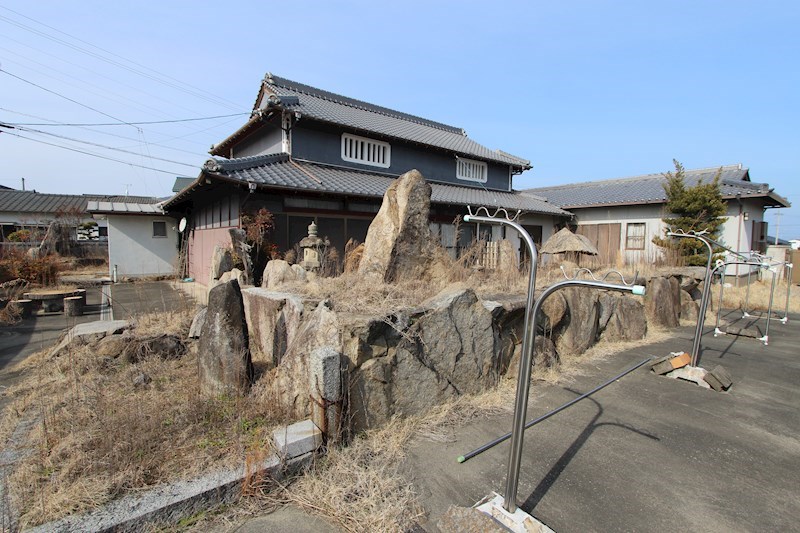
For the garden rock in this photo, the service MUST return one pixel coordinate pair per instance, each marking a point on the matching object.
(289, 380)
(221, 262)
(197, 323)
(224, 364)
(236, 274)
(690, 310)
(398, 243)
(554, 309)
(663, 302)
(627, 321)
(163, 346)
(273, 320)
(579, 331)
(276, 273)
(89, 333)
(112, 345)
(544, 355)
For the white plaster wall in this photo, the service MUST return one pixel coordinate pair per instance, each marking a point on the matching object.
(132, 247)
(736, 232)
(650, 215)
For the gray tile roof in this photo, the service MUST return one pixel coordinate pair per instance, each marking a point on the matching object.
(278, 172)
(341, 110)
(181, 183)
(36, 202)
(128, 208)
(649, 189)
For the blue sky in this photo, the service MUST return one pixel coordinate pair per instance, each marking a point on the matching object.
(585, 90)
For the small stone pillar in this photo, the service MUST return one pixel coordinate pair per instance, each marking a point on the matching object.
(82, 294)
(311, 249)
(25, 307)
(326, 392)
(73, 306)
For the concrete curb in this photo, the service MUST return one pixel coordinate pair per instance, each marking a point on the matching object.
(167, 504)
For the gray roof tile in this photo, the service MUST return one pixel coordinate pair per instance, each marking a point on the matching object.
(649, 188)
(277, 171)
(36, 202)
(329, 107)
(131, 208)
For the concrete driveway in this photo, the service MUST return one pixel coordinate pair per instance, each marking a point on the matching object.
(647, 453)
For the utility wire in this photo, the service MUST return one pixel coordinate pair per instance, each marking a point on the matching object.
(139, 123)
(164, 79)
(88, 153)
(65, 97)
(51, 122)
(31, 130)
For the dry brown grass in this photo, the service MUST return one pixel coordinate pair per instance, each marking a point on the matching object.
(99, 435)
(734, 297)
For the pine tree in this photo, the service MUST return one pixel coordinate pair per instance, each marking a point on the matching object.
(695, 208)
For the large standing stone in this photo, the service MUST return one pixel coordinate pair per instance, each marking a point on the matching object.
(579, 331)
(273, 320)
(224, 364)
(627, 321)
(398, 243)
(290, 377)
(221, 262)
(554, 311)
(663, 302)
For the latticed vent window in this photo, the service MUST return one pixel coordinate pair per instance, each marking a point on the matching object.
(366, 151)
(467, 169)
(634, 238)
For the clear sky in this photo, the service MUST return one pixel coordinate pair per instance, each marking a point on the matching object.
(585, 89)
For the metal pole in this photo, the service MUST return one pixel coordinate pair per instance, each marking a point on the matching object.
(789, 267)
(745, 314)
(717, 331)
(765, 338)
(523, 385)
(530, 424)
(698, 332)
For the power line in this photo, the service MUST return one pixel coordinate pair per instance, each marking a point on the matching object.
(65, 97)
(175, 83)
(51, 122)
(139, 123)
(89, 153)
(31, 130)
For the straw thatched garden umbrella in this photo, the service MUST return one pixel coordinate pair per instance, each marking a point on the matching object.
(571, 244)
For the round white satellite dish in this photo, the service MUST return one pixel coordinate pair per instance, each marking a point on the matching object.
(182, 225)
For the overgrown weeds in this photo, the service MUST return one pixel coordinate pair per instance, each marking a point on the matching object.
(107, 427)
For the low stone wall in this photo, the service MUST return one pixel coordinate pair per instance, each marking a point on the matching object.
(455, 343)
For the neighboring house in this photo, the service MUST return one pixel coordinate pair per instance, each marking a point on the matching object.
(181, 183)
(142, 240)
(35, 210)
(621, 216)
(308, 154)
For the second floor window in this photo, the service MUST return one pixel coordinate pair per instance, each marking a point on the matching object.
(467, 169)
(366, 151)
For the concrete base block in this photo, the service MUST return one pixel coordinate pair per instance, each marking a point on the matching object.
(695, 374)
(719, 378)
(297, 439)
(518, 521)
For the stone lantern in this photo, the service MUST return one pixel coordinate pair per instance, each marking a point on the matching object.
(311, 246)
